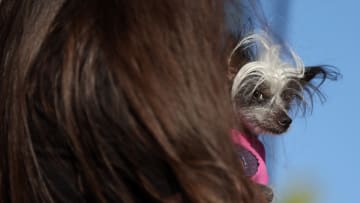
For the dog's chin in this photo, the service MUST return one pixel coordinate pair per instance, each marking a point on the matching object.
(258, 129)
(274, 130)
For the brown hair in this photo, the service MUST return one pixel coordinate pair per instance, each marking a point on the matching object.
(116, 100)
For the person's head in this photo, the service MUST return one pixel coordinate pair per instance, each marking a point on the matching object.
(119, 100)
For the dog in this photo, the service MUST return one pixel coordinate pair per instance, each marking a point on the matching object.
(266, 87)
(267, 83)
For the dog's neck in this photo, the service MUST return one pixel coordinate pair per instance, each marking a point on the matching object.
(248, 132)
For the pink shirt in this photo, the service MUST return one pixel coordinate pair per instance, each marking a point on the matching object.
(256, 148)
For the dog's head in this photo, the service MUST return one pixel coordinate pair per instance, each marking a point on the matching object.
(265, 87)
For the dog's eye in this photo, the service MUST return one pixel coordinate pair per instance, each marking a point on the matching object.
(259, 96)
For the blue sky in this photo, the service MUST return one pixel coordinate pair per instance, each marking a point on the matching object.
(321, 150)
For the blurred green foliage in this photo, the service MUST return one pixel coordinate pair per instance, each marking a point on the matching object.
(299, 194)
(298, 197)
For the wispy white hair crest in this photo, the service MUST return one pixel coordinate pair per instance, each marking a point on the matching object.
(268, 65)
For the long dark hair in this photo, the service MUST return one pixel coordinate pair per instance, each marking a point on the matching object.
(116, 100)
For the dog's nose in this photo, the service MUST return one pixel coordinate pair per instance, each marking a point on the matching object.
(285, 121)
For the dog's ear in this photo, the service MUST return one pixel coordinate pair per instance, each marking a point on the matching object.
(320, 73)
(237, 60)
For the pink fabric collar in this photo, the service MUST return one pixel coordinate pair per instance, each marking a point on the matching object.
(255, 147)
